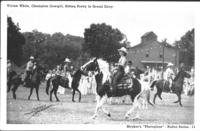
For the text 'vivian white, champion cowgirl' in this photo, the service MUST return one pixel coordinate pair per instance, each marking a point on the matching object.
(58, 6)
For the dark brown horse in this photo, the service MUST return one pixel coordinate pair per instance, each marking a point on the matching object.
(177, 86)
(59, 80)
(56, 82)
(34, 82)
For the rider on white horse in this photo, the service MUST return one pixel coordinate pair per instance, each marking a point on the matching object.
(120, 72)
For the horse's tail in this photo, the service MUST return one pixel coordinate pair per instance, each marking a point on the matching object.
(48, 85)
(153, 84)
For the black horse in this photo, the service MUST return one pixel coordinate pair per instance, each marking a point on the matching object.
(56, 81)
(177, 86)
(34, 82)
(59, 80)
(103, 89)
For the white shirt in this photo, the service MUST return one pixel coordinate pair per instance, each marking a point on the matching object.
(122, 61)
(29, 66)
(168, 73)
(127, 69)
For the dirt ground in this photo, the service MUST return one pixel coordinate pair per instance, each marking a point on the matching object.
(66, 112)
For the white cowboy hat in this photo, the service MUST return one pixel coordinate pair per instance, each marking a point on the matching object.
(170, 64)
(123, 50)
(31, 57)
(67, 60)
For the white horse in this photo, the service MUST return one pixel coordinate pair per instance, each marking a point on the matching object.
(103, 78)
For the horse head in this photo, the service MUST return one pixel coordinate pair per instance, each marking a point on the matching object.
(92, 65)
(186, 74)
(181, 75)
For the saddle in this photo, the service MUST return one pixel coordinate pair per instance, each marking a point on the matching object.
(125, 83)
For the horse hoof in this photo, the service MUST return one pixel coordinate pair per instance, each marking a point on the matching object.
(136, 117)
(73, 101)
(126, 117)
(109, 115)
(93, 117)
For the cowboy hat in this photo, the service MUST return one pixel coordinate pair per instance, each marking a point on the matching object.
(67, 60)
(123, 50)
(31, 57)
(170, 64)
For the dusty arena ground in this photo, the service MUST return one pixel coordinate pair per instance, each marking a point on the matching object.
(66, 112)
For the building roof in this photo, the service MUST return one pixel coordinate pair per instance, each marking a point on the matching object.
(156, 42)
(148, 33)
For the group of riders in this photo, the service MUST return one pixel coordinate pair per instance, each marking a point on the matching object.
(121, 68)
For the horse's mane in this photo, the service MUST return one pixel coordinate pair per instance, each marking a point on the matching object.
(104, 68)
(177, 76)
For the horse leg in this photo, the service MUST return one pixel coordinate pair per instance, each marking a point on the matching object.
(55, 93)
(14, 90)
(31, 91)
(79, 94)
(154, 99)
(100, 102)
(73, 93)
(36, 90)
(9, 86)
(159, 94)
(136, 105)
(178, 98)
(51, 93)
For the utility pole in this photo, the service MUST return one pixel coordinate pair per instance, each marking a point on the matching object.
(163, 60)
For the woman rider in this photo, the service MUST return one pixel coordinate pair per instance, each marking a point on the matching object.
(120, 72)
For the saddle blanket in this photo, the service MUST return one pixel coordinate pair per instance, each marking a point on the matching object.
(125, 83)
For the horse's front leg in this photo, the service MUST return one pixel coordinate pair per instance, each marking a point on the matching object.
(100, 102)
(178, 98)
(31, 91)
(37, 93)
(9, 86)
(79, 95)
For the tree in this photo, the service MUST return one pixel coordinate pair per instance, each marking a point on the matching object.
(186, 46)
(52, 50)
(102, 40)
(15, 42)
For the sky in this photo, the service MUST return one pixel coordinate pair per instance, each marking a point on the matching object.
(169, 20)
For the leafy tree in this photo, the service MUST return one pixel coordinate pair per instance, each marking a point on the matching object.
(15, 42)
(52, 50)
(186, 46)
(102, 40)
